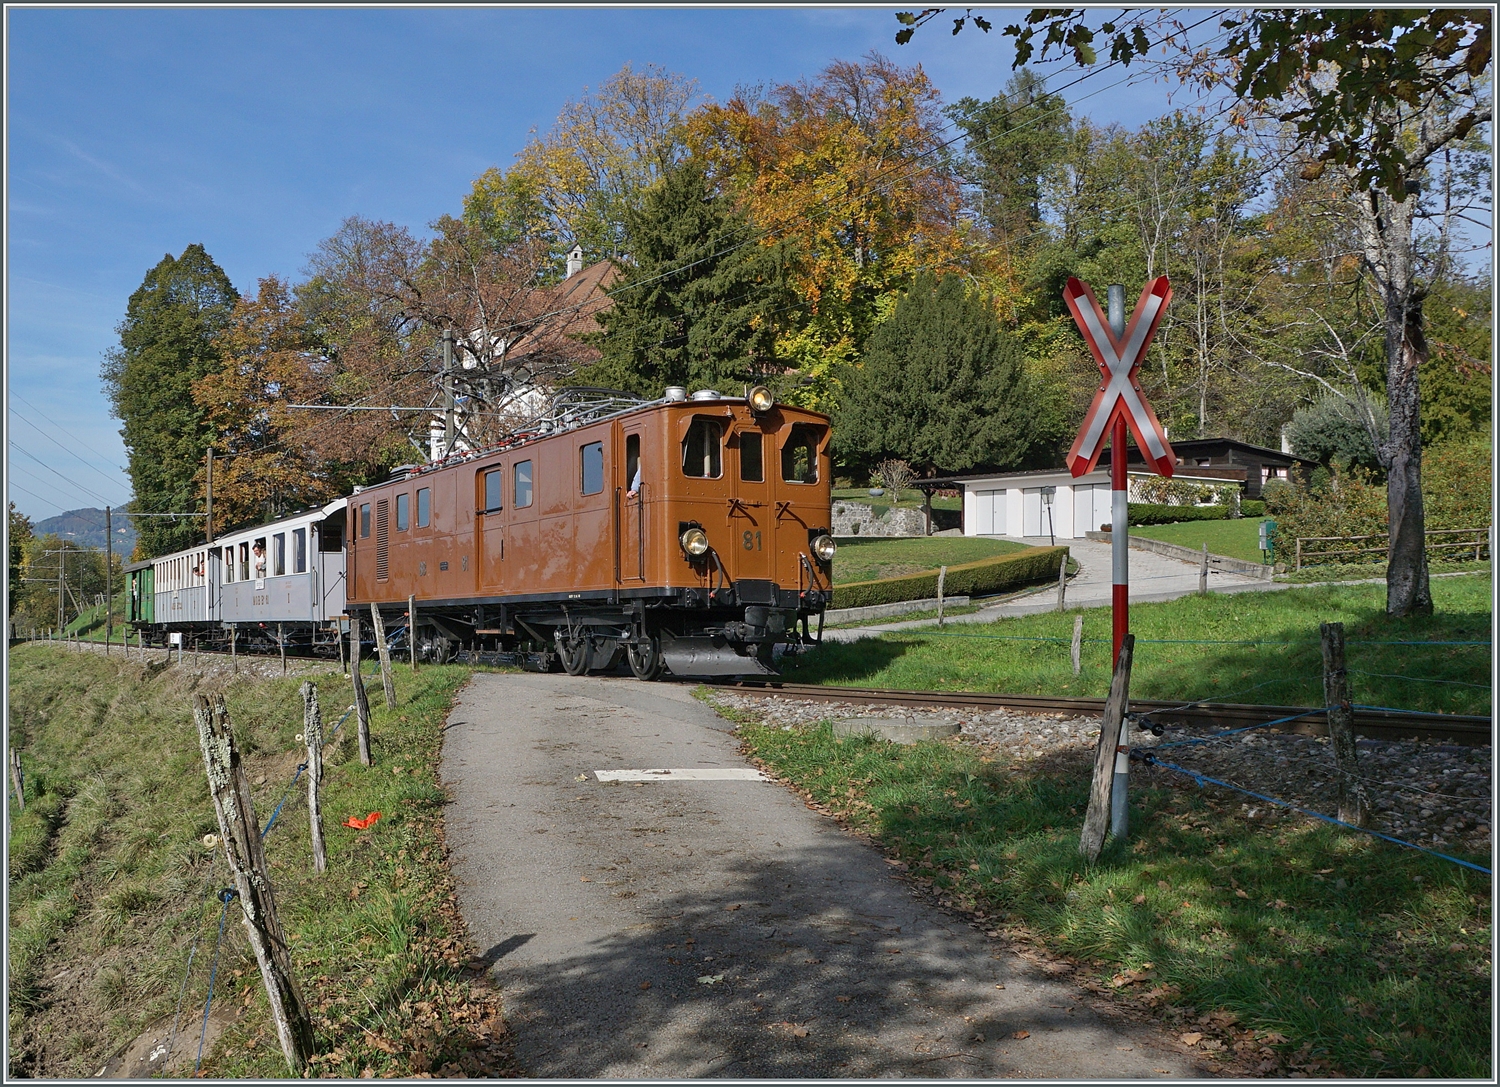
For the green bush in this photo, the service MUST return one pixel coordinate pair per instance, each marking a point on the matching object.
(981, 578)
(1252, 507)
(1149, 513)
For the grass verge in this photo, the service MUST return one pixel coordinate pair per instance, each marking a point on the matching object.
(1236, 539)
(1375, 571)
(104, 912)
(1285, 947)
(873, 558)
(1256, 647)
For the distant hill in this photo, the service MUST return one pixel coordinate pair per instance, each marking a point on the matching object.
(86, 529)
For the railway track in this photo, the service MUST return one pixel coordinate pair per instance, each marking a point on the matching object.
(1374, 724)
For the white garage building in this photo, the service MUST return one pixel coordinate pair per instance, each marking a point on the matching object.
(1014, 504)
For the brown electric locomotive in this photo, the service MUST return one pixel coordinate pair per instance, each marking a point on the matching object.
(690, 534)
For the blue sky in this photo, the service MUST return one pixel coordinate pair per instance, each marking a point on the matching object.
(133, 133)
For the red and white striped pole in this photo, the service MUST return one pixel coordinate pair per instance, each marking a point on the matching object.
(1120, 548)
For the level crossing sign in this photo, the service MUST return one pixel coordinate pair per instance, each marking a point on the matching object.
(1119, 396)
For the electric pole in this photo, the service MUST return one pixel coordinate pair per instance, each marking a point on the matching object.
(109, 581)
(61, 559)
(447, 391)
(208, 512)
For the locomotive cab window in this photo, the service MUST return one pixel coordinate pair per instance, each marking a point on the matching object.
(592, 468)
(633, 463)
(403, 511)
(492, 496)
(799, 456)
(523, 484)
(364, 521)
(752, 460)
(701, 449)
(424, 506)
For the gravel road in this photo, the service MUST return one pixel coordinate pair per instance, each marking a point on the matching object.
(701, 928)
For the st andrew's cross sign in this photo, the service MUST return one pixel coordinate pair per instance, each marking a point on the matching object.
(1119, 397)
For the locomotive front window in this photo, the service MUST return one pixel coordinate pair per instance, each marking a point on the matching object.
(299, 550)
(752, 462)
(799, 457)
(424, 506)
(592, 467)
(523, 484)
(701, 449)
(492, 497)
(364, 521)
(278, 554)
(403, 511)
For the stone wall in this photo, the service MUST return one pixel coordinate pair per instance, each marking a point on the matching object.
(859, 519)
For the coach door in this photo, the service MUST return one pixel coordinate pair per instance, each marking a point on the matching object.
(752, 522)
(489, 492)
(631, 491)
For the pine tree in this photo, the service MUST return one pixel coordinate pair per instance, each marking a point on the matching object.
(166, 343)
(941, 386)
(697, 304)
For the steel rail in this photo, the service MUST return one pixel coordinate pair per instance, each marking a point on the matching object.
(1385, 725)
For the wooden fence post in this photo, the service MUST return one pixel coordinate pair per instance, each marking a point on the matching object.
(312, 735)
(16, 778)
(1354, 805)
(361, 700)
(386, 679)
(1096, 822)
(1203, 573)
(239, 828)
(281, 643)
(411, 630)
(338, 637)
(1077, 644)
(942, 575)
(1062, 585)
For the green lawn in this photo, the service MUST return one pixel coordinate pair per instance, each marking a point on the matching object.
(872, 558)
(911, 499)
(1233, 539)
(1311, 952)
(1261, 647)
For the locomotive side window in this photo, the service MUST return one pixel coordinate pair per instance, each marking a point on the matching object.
(492, 496)
(799, 456)
(364, 521)
(752, 462)
(523, 484)
(278, 554)
(403, 511)
(424, 506)
(701, 449)
(592, 467)
(633, 462)
(299, 550)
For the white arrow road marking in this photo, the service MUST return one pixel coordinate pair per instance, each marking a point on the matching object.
(706, 774)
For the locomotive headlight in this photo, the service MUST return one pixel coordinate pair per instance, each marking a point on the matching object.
(823, 547)
(694, 541)
(761, 399)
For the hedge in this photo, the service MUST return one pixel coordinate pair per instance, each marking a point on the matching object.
(982, 578)
(1252, 507)
(1148, 513)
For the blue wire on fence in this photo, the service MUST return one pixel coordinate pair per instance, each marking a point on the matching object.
(300, 768)
(1419, 679)
(1392, 709)
(1201, 779)
(1237, 731)
(226, 896)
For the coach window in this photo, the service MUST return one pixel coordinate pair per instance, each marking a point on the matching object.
(245, 561)
(700, 449)
(752, 463)
(591, 468)
(424, 506)
(523, 484)
(799, 457)
(299, 550)
(278, 554)
(364, 521)
(492, 488)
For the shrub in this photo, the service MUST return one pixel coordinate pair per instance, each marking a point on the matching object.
(1275, 494)
(1143, 513)
(980, 578)
(1252, 507)
(1456, 484)
(1351, 505)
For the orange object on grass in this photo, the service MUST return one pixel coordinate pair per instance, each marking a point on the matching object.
(362, 824)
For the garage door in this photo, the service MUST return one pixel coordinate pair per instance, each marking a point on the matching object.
(1091, 506)
(989, 513)
(1032, 523)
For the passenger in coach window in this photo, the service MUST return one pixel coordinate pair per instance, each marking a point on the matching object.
(258, 562)
(635, 483)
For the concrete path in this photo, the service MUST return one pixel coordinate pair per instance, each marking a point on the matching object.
(1153, 577)
(695, 928)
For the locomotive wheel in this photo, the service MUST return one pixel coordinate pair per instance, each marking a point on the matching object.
(575, 655)
(645, 658)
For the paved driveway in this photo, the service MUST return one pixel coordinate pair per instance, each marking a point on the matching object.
(690, 928)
